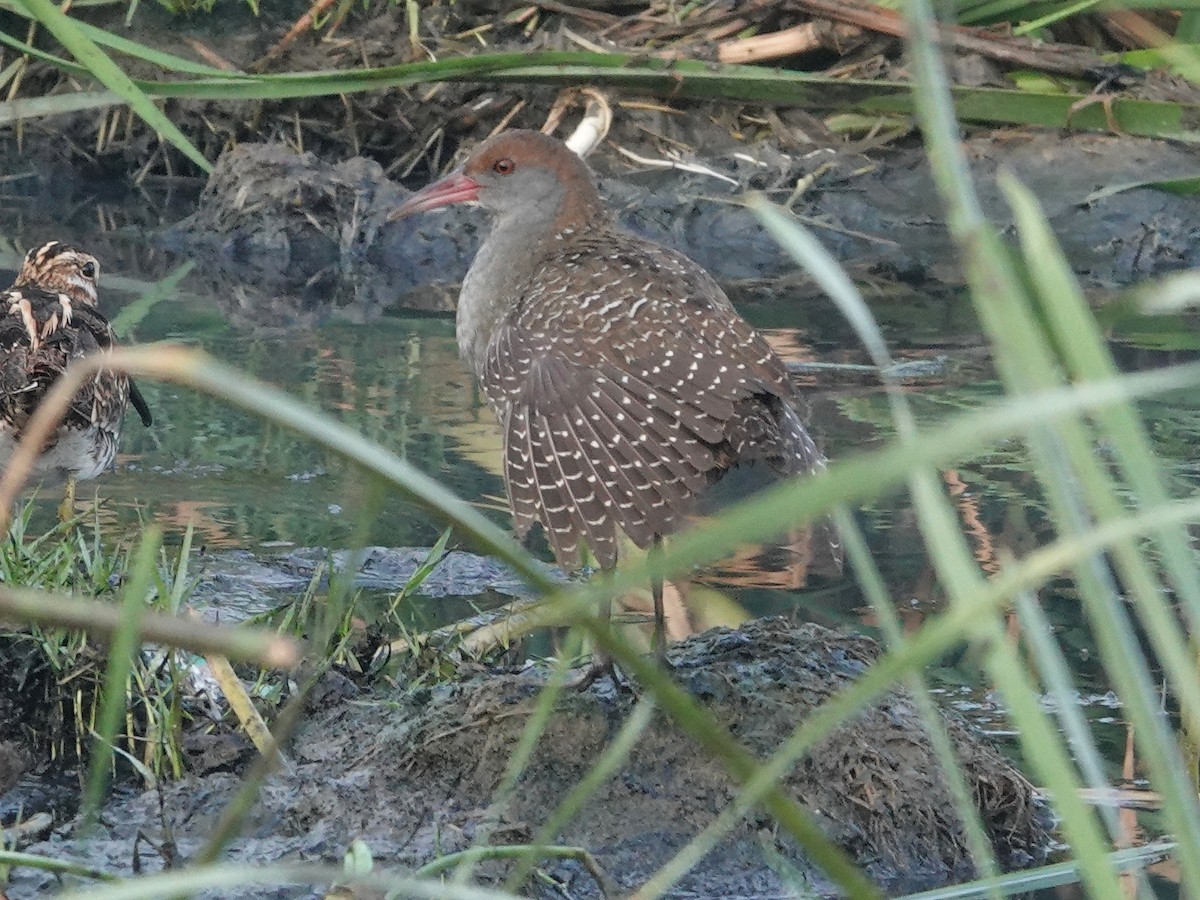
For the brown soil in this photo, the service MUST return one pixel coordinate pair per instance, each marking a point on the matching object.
(415, 777)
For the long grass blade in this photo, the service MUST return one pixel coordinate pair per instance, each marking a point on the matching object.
(102, 620)
(121, 650)
(168, 61)
(1132, 859)
(226, 878)
(675, 78)
(110, 75)
(1063, 454)
(819, 263)
(56, 105)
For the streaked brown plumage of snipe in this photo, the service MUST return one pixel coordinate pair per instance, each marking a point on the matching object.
(48, 318)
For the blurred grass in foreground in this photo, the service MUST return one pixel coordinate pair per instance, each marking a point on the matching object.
(1122, 540)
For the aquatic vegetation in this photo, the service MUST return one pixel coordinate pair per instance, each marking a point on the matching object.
(57, 675)
(1120, 540)
(778, 55)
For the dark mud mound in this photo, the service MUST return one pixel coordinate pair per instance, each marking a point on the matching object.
(276, 219)
(285, 237)
(872, 785)
(13, 762)
(37, 714)
(415, 778)
(303, 215)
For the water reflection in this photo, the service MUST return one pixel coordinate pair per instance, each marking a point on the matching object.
(398, 380)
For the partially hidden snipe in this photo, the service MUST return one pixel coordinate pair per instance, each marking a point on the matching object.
(49, 318)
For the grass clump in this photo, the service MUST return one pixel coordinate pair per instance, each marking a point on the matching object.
(50, 700)
(360, 643)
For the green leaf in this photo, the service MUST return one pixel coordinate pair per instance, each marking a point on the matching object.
(56, 104)
(111, 75)
(1185, 185)
(105, 38)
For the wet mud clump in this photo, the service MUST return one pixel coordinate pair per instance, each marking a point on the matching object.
(276, 219)
(415, 777)
(38, 703)
(294, 236)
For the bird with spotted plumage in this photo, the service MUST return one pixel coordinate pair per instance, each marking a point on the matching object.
(48, 318)
(623, 379)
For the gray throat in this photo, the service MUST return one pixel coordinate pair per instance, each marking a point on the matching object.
(499, 276)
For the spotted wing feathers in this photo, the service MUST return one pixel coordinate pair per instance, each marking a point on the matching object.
(626, 382)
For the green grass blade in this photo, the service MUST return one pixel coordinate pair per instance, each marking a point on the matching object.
(1080, 345)
(121, 650)
(25, 49)
(12, 859)
(1056, 677)
(56, 610)
(1171, 294)
(104, 38)
(937, 637)
(1057, 15)
(681, 78)
(1132, 859)
(56, 104)
(110, 75)
(179, 582)
(131, 314)
(1184, 185)
(1068, 469)
(872, 583)
(830, 276)
(994, 285)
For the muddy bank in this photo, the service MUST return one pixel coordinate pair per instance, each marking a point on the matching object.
(265, 579)
(413, 775)
(289, 236)
(413, 128)
(280, 221)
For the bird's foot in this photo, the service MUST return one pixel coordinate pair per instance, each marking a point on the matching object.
(659, 643)
(1105, 101)
(66, 509)
(598, 668)
(660, 656)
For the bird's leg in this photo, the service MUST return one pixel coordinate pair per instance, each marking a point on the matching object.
(602, 661)
(66, 509)
(660, 618)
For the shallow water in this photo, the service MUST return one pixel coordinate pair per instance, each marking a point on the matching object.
(398, 379)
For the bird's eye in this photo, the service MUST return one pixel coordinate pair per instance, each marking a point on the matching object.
(503, 166)
(89, 270)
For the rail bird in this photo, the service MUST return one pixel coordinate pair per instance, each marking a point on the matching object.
(623, 379)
